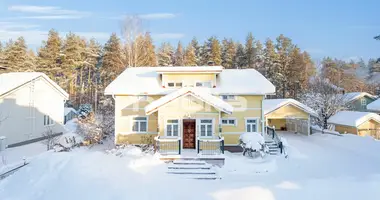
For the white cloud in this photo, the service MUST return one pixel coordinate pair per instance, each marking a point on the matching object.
(157, 16)
(15, 26)
(168, 35)
(48, 12)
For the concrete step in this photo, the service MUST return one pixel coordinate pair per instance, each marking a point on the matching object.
(189, 162)
(187, 166)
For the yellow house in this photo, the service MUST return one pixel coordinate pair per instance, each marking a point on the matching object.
(354, 122)
(201, 110)
(288, 115)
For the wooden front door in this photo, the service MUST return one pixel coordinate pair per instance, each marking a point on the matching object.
(189, 134)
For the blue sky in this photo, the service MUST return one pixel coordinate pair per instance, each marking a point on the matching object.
(342, 29)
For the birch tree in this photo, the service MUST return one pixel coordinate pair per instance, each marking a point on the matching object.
(131, 30)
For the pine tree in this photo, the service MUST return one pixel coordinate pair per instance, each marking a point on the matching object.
(16, 56)
(212, 52)
(270, 61)
(190, 58)
(284, 48)
(197, 51)
(150, 51)
(178, 56)
(2, 62)
(50, 56)
(165, 55)
(259, 58)
(250, 50)
(239, 58)
(112, 61)
(228, 53)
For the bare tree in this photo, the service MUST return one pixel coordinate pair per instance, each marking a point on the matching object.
(51, 138)
(131, 29)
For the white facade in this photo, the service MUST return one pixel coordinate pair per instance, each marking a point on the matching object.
(32, 108)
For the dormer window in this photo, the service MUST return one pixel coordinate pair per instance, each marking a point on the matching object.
(228, 97)
(174, 84)
(203, 84)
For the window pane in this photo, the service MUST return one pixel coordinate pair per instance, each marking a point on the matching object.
(224, 97)
(253, 127)
(251, 121)
(209, 130)
(175, 130)
(206, 121)
(231, 97)
(198, 84)
(135, 126)
(143, 126)
(203, 130)
(224, 121)
(178, 84)
(231, 121)
(169, 130)
(175, 121)
(170, 84)
(248, 128)
(207, 84)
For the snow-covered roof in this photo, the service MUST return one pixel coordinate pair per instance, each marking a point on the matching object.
(375, 105)
(270, 105)
(202, 94)
(67, 110)
(13, 80)
(147, 80)
(351, 96)
(352, 118)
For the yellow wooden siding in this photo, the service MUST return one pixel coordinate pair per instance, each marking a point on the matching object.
(246, 102)
(188, 79)
(345, 129)
(277, 123)
(137, 138)
(370, 124)
(288, 111)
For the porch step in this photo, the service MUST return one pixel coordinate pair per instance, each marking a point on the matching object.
(192, 169)
(187, 166)
(189, 162)
(273, 147)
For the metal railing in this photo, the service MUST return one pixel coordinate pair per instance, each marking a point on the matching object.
(271, 132)
(210, 146)
(167, 146)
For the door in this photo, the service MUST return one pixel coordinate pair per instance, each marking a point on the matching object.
(189, 134)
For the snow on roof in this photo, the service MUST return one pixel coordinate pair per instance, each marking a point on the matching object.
(352, 118)
(187, 69)
(146, 80)
(375, 105)
(10, 81)
(351, 96)
(202, 94)
(270, 105)
(67, 110)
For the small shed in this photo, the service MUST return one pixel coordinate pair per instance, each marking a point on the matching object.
(354, 122)
(288, 115)
(70, 113)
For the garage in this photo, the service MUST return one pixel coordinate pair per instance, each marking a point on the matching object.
(288, 115)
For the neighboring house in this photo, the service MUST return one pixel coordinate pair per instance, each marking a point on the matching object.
(70, 113)
(358, 101)
(31, 104)
(374, 106)
(354, 122)
(190, 109)
(289, 115)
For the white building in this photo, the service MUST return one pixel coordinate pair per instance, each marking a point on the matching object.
(30, 104)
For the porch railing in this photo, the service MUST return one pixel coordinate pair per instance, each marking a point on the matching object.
(211, 146)
(167, 146)
(271, 132)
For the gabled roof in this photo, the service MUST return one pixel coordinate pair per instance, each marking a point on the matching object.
(352, 118)
(67, 110)
(147, 80)
(202, 94)
(14, 80)
(375, 105)
(270, 105)
(351, 96)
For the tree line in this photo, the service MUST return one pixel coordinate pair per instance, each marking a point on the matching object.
(85, 67)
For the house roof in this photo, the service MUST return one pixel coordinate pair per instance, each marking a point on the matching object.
(202, 94)
(375, 105)
(67, 110)
(351, 96)
(187, 69)
(146, 80)
(13, 80)
(270, 105)
(352, 118)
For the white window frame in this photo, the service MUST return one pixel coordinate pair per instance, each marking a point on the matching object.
(48, 121)
(200, 127)
(363, 102)
(172, 128)
(139, 126)
(228, 122)
(228, 97)
(257, 124)
(202, 83)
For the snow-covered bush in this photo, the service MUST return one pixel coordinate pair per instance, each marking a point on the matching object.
(84, 110)
(253, 143)
(105, 116)
(89, 130)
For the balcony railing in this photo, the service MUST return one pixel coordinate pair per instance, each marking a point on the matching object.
(211, 146)
(271, 133)
(168, 146)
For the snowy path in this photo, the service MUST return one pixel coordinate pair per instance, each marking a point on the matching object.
(319, 167)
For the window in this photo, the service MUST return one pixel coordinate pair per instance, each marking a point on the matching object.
(142, 97)
(174, 84)
(231, 122)
(172, 128)
(228, 97)
(140, 124)
(363, 102)
(48, 120)
(206, 127)
(203, 84)
(251, 125)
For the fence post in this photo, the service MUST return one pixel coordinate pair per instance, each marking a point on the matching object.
(198, 145)
(222, 146)
(179, 147)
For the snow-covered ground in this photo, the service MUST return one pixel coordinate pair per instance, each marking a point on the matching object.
(319, 167)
